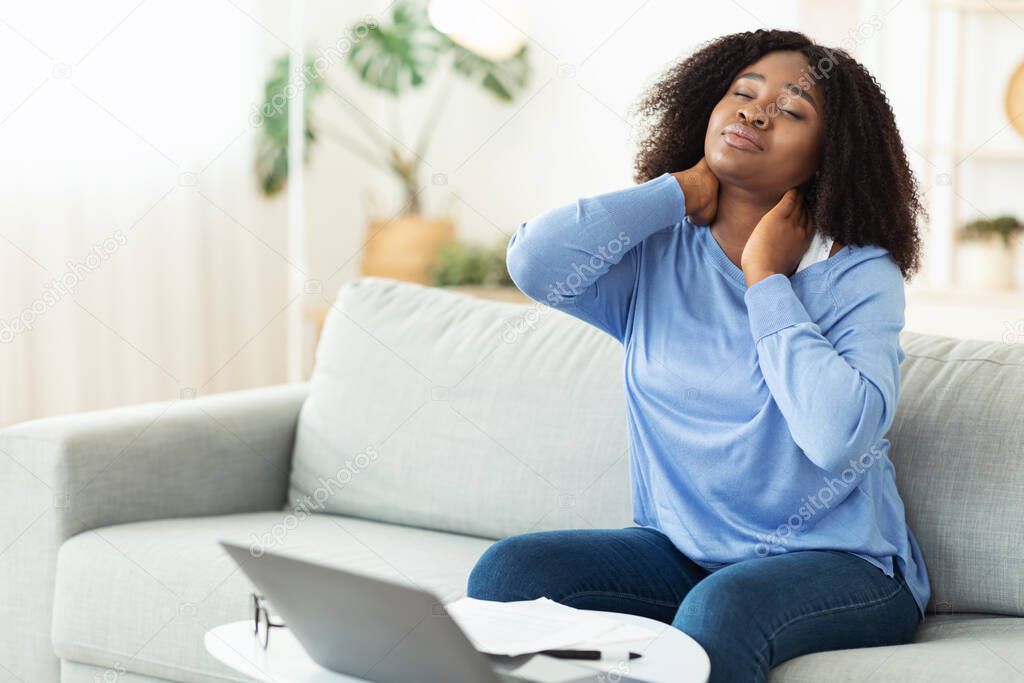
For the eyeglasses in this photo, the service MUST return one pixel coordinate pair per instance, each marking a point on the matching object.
(261, 623)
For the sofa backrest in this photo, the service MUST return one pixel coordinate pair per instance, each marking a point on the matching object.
(958, 449)
(437, 409)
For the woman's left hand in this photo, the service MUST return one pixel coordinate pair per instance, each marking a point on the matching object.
(779, 241)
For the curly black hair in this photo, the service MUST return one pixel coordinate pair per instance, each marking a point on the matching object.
(864, 191)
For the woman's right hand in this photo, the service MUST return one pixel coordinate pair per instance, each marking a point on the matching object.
(700, 188)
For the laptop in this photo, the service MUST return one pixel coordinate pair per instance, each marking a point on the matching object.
(383, 631)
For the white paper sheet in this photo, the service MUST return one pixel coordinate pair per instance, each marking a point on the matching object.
(514, 628)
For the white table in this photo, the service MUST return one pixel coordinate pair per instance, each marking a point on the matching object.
(670, 656)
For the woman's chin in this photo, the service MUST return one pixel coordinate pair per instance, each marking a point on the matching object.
(732, 166)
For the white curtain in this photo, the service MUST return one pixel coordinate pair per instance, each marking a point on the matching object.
(127, 148)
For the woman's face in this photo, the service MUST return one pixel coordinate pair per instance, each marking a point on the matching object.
(777, 98)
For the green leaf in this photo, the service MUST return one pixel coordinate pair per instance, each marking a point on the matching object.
(505, 79)
(398, 56)
(272, 119)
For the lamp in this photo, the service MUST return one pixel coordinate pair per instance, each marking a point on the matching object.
(490, 30)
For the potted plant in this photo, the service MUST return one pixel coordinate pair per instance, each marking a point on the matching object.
(476, 269)
(985, 253)
(394, 59)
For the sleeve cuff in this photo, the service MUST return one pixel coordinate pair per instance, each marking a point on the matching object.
(676, 199)
(772, 305)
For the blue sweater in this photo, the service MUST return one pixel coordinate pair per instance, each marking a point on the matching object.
(756, 415)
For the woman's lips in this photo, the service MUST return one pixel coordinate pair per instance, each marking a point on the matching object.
(740, 142)
(742, 137)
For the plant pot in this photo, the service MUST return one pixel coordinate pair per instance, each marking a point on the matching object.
(984, 264)
(405, 247)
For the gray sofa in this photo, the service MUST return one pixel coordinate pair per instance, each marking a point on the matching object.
(434, 423)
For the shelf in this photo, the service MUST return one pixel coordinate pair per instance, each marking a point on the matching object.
(315, 313)
(949, 153)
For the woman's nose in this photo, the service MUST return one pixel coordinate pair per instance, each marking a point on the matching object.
(754, 115)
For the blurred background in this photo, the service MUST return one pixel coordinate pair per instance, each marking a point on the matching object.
(187, 184)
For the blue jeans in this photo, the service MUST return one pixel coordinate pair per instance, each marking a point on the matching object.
(749, 616)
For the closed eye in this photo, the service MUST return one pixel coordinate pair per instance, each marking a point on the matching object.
(785, 111)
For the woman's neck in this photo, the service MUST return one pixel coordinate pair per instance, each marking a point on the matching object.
(739, 212)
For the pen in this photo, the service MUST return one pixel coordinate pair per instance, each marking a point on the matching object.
(581, 654)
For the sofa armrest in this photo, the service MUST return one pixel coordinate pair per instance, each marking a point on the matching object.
(61, 476)
(212, 455)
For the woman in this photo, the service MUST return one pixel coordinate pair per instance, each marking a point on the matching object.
(759, 382)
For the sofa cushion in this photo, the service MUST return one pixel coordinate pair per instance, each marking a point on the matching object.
(951, 648)
(141, 596)
(958, 449)
(438, 409)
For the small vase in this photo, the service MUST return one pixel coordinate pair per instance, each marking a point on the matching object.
(405, 247)
(984, 264)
